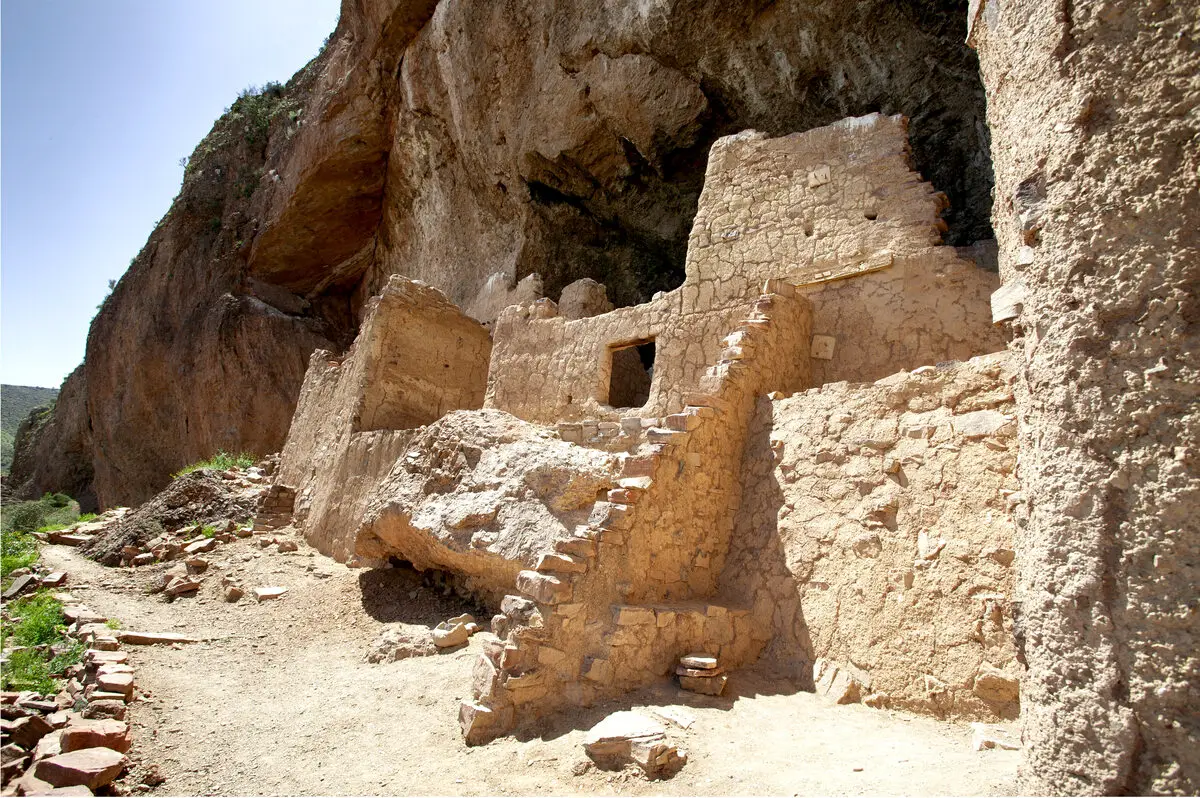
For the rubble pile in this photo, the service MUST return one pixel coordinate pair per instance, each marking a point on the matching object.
(224, 500)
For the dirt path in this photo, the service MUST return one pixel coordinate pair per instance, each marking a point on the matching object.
(281, 701)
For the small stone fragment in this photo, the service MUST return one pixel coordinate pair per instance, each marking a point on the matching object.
(984, 737)
(447, 636)
(110, 710)
(265, 593)
(200, 546)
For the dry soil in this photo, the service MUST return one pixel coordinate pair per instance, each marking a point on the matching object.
(279, 699)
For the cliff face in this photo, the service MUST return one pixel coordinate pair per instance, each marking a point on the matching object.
(453, 142)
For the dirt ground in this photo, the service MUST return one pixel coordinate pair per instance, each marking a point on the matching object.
(280, 700)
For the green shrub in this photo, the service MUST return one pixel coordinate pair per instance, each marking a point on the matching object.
(56, 500)
(208, 531)
(51, 512)
(20, 551)
(221, 461)
(24, 516)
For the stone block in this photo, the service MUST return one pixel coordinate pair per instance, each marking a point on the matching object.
(544, 588)
(707, 685)
(560, 563)
(634, 616)
(481, 724)
(822, 347)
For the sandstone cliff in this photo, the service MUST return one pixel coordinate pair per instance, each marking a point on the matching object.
(456, 142)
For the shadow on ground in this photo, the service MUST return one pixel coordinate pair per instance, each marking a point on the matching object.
(402, 595)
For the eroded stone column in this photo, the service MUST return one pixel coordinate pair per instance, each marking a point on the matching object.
(1094, 121)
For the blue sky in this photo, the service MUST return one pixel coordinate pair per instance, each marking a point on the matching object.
(99, 101)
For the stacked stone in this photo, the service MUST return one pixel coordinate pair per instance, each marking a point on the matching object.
(701, 673)
(276, 509)
(75, 741)
(528, 659)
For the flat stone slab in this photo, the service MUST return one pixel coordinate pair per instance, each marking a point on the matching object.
(266, 593)
(702, 661)
(19, 585)
(623, 726)
(698, 673)
(105, 733)
(90, 767)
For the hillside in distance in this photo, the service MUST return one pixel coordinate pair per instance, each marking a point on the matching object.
(15, 403)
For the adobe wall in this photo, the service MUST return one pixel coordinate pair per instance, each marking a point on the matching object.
(875, 536)
(1092, 111)
(546, 368)
(839, 212)
(416, 358)
(836, 211)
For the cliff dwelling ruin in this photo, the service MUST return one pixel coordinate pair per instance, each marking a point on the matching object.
(853, 377)
(762, 468)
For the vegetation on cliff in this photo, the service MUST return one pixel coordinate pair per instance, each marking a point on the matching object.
(16, 402)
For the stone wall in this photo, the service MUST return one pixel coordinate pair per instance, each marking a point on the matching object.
(1092, 109)
(837, 211)
(335, 454)
(546, 368)
(875, 536)
(615, 604)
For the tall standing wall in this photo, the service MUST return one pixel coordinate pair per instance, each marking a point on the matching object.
(1093, 115)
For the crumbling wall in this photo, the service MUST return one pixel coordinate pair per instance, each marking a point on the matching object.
(829, 204)
(1092, 109)
(615, 604)
(546, 368)
(837, 211)
(416, 358)
(875, 535)
(423, 359)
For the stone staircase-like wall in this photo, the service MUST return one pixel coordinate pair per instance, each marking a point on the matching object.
(615, 605)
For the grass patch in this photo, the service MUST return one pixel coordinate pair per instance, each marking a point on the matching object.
(39, 625)
(27, 669)
(221, 461)
(20, 551)
(113, 623)
(208, 531)
(38, 619)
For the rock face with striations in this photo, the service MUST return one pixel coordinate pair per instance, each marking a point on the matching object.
(463, 143)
